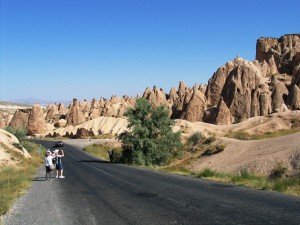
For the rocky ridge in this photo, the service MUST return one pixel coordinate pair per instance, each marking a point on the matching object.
(237, 91)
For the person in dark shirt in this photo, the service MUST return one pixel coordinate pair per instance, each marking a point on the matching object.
(59, 166)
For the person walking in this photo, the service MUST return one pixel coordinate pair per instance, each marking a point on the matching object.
(48, 165)
(59, 166)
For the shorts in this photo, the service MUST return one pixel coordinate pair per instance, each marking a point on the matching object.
(48, 170)
(59, 167)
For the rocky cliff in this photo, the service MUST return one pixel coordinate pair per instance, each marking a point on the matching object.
(237, 91)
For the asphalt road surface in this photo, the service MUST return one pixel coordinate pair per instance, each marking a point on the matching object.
(97, 192)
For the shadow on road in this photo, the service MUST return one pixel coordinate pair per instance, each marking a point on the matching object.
(97, 161)
(39, 179)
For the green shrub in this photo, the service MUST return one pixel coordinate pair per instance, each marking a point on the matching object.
(278, 172)
(29, 146)
(19, 133)
(209, 140)
(245, 174)
(195, 138)
(206, 173)
(211, 150)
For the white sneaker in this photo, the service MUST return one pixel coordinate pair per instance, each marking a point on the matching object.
(61, 176)
(56, 177)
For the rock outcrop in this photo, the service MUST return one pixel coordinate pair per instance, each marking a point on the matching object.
(75, 115)
(241, 90)
(10, 142)
(20, 119)
(217, 82)
(36, 121)
(156, 96)
(279, 94)
(294, 98)
(223, 114)
(52, 113)
(196, 107)
(5, 119)
(237, 91)
(284, 51)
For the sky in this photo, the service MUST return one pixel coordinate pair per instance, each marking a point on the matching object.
(64, 49)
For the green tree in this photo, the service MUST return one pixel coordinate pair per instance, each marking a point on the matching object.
(150, 139)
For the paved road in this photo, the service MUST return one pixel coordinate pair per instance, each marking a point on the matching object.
(97, 192)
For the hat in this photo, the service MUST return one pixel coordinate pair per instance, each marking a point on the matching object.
(48, 150)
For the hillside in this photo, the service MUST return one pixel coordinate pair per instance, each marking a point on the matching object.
(10, 150)
(257, 156)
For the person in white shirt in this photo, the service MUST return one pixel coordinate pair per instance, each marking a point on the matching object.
(48, 165)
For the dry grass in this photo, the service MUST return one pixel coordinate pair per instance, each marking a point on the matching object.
(287, 185)
(240, 135)
(98, 150)
(15, 180)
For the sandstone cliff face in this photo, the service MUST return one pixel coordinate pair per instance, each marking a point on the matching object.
(180, 99)
(52, 113)
(238, 90)
(36, 121)
(223, 114)
(283, 50)
(293, 99)
(217, 82)
(195, 107)
(242, 87)
(5, 119)
(20, 119)
(156, 96)
(241, 91)
(75, 114)
(279, 94)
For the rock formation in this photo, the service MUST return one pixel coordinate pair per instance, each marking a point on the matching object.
(237, 91)
(52, 113)
(241, 91)
(20, 119)
(156, 96)
(217, 82)
(5, 118)
(196, 107)
(284, 51)
(294, 98)
(223, 114)
(36, 121)
(75, 115)
(279, 94)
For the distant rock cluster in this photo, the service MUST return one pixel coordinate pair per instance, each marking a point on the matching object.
(241, 89)
(238, 90)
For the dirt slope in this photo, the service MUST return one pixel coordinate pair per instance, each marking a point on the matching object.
(258, 156)
(7, 147)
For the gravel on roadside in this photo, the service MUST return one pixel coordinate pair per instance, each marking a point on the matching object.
(40, 205)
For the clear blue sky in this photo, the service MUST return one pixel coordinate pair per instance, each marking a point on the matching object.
(61, 49)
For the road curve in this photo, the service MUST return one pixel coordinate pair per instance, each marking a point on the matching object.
(97, 192)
